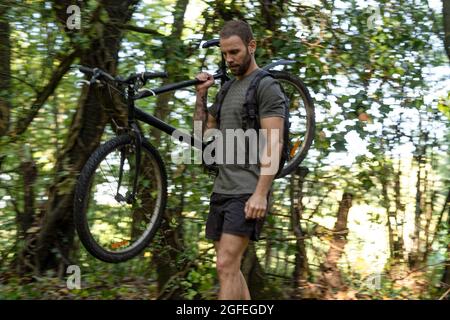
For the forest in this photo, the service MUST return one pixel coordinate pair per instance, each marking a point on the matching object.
(365, 216)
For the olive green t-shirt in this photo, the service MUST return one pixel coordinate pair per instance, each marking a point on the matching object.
(235, 178)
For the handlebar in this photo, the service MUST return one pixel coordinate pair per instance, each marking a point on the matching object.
(174, 86)
(97, 73)
(143, 76)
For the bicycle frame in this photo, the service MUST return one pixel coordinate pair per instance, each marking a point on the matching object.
(136, 113)
(158, 123)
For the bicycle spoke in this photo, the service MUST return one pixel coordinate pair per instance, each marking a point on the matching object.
(122, 232)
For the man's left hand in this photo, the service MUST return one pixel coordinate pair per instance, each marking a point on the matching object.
(255, 207)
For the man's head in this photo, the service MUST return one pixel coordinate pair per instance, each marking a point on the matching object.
(238, 46)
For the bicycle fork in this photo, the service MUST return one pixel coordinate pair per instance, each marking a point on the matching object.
(130, 197)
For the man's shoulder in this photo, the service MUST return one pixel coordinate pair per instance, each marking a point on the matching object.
(269, 85)
(267, 80)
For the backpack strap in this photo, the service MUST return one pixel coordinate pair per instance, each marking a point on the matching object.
(221, 97)
(250, 117)
(212, 169)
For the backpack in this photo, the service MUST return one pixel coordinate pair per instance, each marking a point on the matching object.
(250, 117)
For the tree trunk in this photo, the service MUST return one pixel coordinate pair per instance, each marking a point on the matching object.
(254, 274)
(29, 173)
(272, 13)
(55, 239)
(398, 244)
(228, 11)
(439, 223)
(5, 71)
(301, 270)
(388, 171)
(330, 272)
(429, 209)
(415, 255)
(386, 204)
(170, 243)
(446, 276)
(27, 221)
(446, 14)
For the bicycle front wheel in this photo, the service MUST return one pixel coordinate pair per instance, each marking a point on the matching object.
(113, 225)
(301, 119)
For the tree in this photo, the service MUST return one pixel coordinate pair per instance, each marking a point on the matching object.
(331, 274)
(5, 71)
(446, 14)
(55, 239)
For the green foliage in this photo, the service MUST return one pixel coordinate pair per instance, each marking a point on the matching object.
(367, 83)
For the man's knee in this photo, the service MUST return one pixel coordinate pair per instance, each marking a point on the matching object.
(227, 264)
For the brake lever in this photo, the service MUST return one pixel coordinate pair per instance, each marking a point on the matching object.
(93, 79)
(81, 82)
(95, 76)
(142, 91)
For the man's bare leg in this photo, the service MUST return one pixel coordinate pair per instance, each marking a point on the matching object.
(245, 293)
(229, 252)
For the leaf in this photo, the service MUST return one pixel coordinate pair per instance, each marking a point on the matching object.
(339, 146)
(34, 229)
(444, 106)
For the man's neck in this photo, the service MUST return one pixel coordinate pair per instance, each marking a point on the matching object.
(253, 67)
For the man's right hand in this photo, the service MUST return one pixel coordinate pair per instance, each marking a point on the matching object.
(208, 82)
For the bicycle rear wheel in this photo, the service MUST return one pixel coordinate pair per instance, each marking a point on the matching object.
(112, 226)
(301, 119)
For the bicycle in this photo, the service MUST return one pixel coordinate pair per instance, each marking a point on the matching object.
(123, 184)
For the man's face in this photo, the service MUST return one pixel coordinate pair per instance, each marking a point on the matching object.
(236, 55)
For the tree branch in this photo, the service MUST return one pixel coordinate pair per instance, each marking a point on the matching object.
(47, 91)
(32, 86)
(139, 29)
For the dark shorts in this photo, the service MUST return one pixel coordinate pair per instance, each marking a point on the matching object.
(227, 215)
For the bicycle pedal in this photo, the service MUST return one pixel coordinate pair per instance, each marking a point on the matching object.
(129, 199)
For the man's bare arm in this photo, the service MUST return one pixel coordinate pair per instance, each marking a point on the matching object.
(201, 114)
(256, 205)
(201, 111)
(271, 153)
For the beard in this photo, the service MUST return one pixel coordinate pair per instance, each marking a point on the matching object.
(241, 69)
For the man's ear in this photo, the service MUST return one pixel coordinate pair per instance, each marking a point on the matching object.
(252, 46)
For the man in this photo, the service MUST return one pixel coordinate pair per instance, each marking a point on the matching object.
(240, 195)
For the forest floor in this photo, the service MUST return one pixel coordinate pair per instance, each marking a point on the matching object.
(92, 288)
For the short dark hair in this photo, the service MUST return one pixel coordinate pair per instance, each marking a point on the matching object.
(237, 28)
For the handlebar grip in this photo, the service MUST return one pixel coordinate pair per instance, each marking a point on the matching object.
(211, 43)
(110, 77)
(197, 81)
(96, 73)
(86, 70)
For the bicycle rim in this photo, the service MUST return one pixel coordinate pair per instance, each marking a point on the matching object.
(301, 120)
(112, 225)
